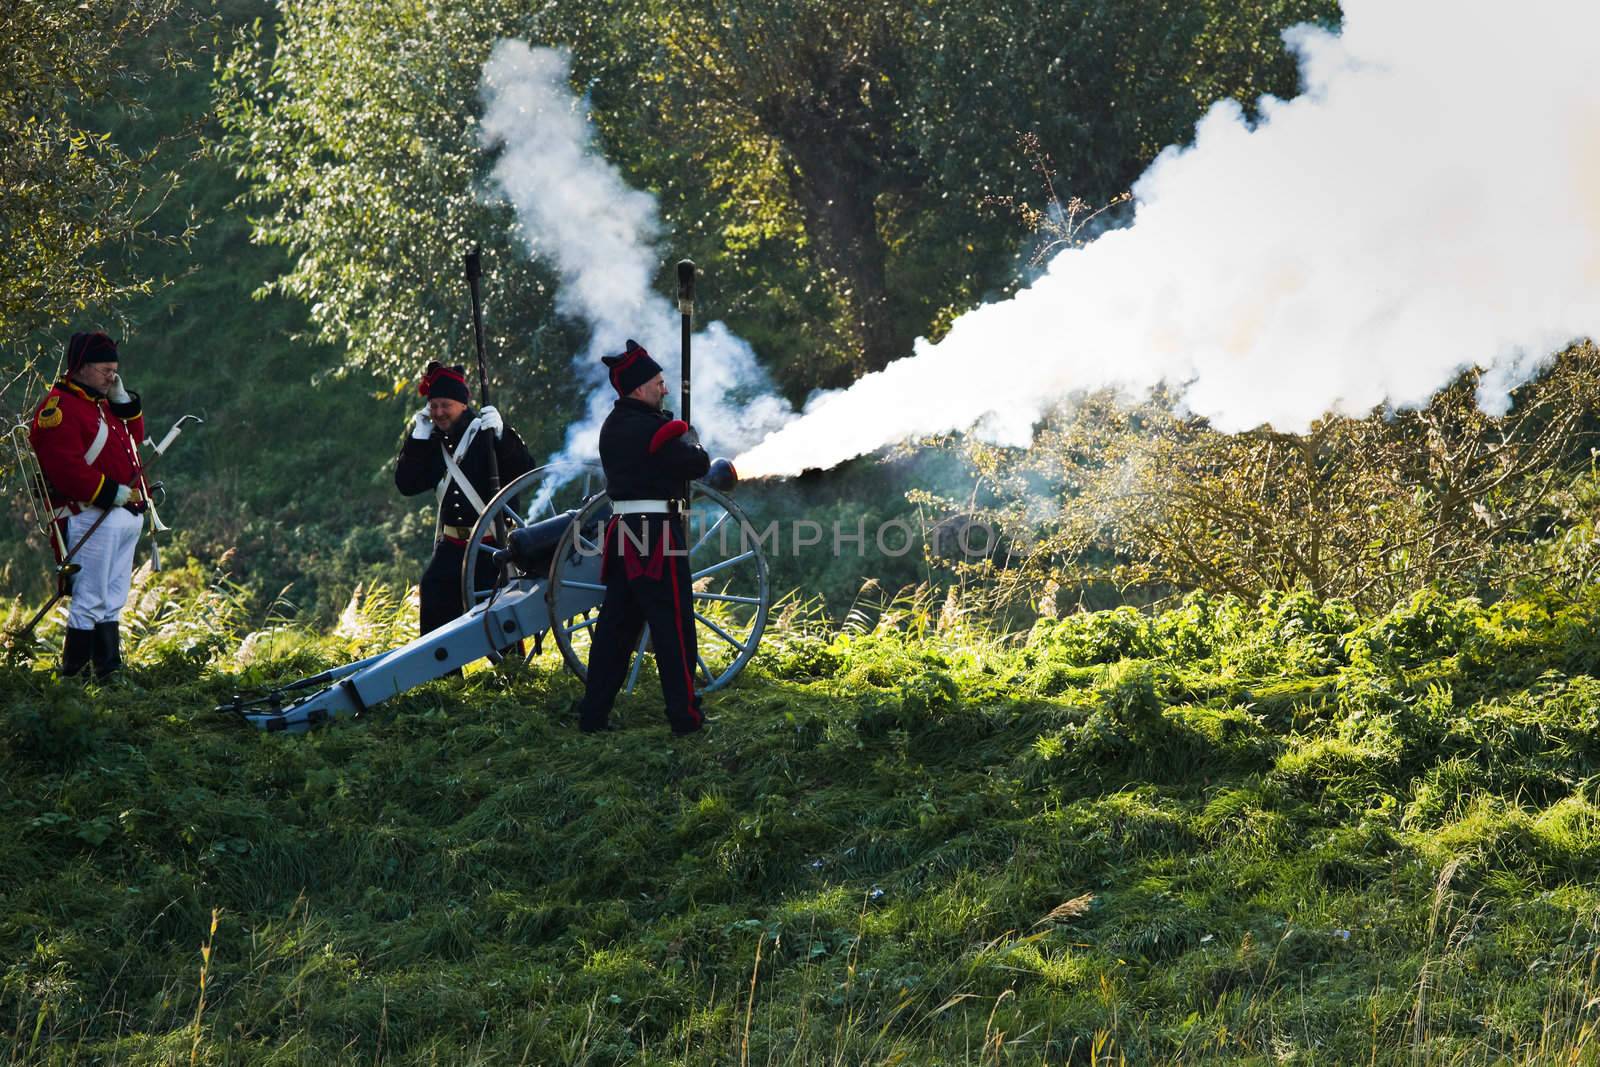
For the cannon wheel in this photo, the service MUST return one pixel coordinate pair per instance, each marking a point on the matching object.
(732, 593)
(573, 484)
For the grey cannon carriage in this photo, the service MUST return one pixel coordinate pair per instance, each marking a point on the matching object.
(549, 584)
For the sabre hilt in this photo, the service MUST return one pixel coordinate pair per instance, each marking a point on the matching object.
(152, 488)
(172, 434)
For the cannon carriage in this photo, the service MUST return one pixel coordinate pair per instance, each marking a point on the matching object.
(548, 585)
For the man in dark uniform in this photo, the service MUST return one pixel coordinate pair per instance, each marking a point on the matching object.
(86, 433)
(649, 459)
(447, 451)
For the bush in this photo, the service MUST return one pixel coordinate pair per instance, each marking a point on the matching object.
(1096, 637)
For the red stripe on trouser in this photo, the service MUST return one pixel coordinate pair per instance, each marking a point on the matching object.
(605, 546)
(683, 646)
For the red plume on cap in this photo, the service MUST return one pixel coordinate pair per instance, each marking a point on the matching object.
(447, 382)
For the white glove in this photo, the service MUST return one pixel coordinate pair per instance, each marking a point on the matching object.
(489, 419)
(421, 425)
(124, 494)
(119, 392)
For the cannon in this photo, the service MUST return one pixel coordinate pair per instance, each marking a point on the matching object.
(549, 585)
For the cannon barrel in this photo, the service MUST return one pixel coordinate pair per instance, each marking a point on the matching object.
(533, 548)
(721, 477)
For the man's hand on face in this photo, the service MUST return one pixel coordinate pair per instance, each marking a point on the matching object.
(444, 413)
(117, 393)
(99, 377)
(421, 425)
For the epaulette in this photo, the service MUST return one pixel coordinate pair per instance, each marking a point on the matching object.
(50, 415)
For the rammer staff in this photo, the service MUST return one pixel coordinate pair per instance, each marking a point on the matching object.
(474, 265)
(686, 310)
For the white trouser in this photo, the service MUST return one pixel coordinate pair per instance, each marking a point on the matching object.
(100, 589)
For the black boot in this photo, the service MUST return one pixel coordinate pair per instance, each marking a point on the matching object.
(76, 651)
(107, 649)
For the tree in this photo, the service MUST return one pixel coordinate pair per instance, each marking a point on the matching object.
(826, 161)
(868, 135)
(356, 126)
(1365, 509)
(821, 83)
(77, 204)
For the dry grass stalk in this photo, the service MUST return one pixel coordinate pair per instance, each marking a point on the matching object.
(1067, 911)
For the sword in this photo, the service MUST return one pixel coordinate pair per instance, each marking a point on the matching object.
(156, 525)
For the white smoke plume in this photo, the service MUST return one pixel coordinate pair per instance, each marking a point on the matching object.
(1429, 202)
(577, 212)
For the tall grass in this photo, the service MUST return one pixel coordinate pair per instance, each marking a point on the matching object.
(1229, 833)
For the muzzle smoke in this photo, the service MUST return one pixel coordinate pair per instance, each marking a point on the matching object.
(576, 211)
(1428, 203)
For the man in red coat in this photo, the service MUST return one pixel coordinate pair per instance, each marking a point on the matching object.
(86, 433)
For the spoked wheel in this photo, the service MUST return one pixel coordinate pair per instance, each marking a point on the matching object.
(542, 493)
(731, 590)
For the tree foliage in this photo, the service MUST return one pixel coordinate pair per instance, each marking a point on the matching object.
(855, 147)
(355, 126)
(1369, 510)
(77, 202)
(826, 161)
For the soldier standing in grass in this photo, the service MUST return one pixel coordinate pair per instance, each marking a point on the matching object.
(86, 433)
(447, 451)
(649, 459)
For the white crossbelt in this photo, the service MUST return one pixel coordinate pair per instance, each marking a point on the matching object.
(453, 473)
(92, 453)
(642, 507)
(98, 445)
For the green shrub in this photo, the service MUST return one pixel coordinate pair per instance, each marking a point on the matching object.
(927, 695)
(1427, 627)
(1130, 692)
(1097, 637)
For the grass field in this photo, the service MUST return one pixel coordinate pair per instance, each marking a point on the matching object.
(1230, 833)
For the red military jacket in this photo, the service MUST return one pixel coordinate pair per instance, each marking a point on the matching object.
(66, 426)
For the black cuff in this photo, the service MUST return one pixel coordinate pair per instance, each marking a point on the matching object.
(107, 495)
(130, 409)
